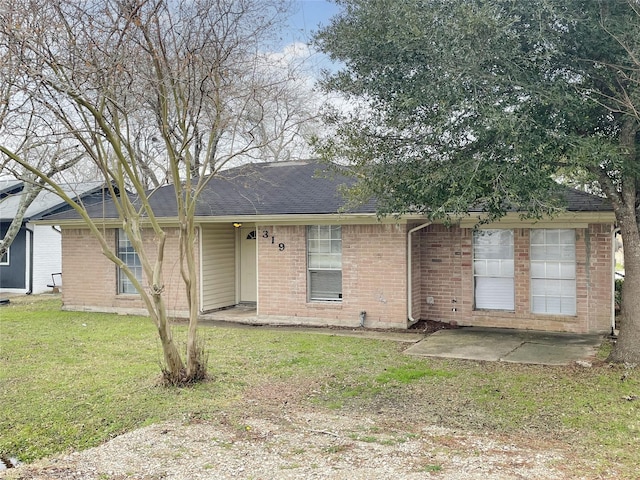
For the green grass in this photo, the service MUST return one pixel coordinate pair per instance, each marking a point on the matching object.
(411, 373)
(433, 468)
(72, 380)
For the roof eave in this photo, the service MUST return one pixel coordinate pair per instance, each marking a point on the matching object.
(510, 220)
(567, 219)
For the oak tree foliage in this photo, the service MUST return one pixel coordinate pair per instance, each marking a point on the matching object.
(459, 103)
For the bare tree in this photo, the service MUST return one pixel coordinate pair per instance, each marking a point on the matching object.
(52, 160)
(27, 127)
(178, 81)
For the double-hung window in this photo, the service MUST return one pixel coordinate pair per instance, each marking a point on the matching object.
(324, 262)
(128, 255)
(493, 270)
(553, 271)
(4, 260)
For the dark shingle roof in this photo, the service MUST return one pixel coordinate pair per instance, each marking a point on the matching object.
(578, 201)
(284, 188)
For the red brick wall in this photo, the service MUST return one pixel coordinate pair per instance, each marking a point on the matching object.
(374, 276)
(599, 295)
(416, 274)
(447, 282)
(90, 278)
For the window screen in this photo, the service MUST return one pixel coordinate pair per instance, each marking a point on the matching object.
(553, 271)
(493, 269)
(324, 262)
(128, 255)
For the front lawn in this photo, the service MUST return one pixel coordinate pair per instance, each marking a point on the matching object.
(72, 380)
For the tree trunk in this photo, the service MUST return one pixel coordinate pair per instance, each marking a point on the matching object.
(174, 371)
(627, 348)
(196, 359)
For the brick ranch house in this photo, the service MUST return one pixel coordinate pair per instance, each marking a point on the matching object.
(275, 236)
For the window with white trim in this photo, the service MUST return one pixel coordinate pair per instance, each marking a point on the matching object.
(493, 270)
(553, 271)
(4, 260)
(128, 255)
(324, 262)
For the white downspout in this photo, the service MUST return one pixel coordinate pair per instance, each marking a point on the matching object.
(411, 320)
(614, 232)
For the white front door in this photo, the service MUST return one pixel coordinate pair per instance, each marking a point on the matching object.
(248, 266)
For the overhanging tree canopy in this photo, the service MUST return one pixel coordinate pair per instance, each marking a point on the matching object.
(462, 102)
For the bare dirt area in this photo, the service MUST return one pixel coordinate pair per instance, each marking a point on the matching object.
(278, 434)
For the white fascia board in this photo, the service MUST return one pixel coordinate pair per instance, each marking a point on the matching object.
(309, 219)
(510, 220)
(561, 220)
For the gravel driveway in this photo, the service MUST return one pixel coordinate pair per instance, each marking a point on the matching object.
(305, 445)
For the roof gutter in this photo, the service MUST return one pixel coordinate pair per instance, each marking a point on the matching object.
(411, 320)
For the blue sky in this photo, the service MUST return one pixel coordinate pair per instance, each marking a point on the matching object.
(308, 16)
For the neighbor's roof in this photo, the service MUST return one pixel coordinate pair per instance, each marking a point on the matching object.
(9, 186)
(46, 202)
(283, 188)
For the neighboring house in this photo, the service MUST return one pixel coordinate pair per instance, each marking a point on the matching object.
(275, 235)
(35, 253)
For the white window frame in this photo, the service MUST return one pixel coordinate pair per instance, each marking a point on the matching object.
(6, 259)
(552, 257)
(324, 262)
(493, 270)
(129, 256)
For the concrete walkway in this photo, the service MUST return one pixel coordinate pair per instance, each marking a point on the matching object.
(506, 345)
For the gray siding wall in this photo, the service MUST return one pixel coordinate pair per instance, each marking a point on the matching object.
(14, 275)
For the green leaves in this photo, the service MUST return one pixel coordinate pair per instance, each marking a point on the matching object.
(465, 103)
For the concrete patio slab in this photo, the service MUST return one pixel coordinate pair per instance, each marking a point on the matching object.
(537, 353)
(505, 345)
(465, 343)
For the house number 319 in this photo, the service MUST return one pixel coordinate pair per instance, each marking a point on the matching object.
(265, 234)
